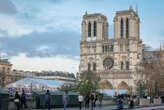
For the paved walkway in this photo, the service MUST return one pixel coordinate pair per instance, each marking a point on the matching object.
(151, 108)
(111, 107)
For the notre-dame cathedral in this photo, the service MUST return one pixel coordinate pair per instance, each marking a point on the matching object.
(114, 59)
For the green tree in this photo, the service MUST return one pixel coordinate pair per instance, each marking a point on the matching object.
(69, 87)
(88, 82)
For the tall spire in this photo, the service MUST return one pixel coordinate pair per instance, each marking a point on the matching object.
(131, 7)
(86, 12)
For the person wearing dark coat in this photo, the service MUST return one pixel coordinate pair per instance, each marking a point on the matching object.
(47, 100)
(120, 104)
(131, 104)
(65, 99)
(87, 99)
(100, 97)
(95, 99)
(17, 100)
(23, 99)
(92, 101)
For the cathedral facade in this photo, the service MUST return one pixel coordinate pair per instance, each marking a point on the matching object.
(114, 59)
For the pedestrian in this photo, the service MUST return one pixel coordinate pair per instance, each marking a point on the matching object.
(120, 104)
(17, 100)
(23, 99)
(100, 99)
(131, 104)
(47, 100)
(80, 100)
(87, 99)
(65, 99)
(92, 101)
(95, 99)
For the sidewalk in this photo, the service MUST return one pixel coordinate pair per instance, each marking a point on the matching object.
(151, 108)
(112, 107)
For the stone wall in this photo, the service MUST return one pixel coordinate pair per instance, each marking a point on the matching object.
(157, 101)
(144, 102)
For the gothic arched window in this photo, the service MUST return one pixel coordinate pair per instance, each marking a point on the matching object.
(127, 65)
(127, 28)
(94, 66)
(89, 66)
(121, 47)
(122, 65)
(3, 69)
(103, 48)
(111, 48)
(89, 29)
(95, 28)
(127, 47)
(122, 28)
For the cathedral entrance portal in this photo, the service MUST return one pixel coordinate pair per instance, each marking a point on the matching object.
(123, 86)
(106, 85)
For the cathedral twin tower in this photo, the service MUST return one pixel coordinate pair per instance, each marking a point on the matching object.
(114, 59)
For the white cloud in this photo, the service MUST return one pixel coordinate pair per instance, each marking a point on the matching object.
(3, 54)
(56, 63)
(12, 26)
(1, 35)
(43, 47)
(36, 18)
(17, 26)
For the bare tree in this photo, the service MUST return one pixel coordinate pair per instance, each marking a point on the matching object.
(151, 69)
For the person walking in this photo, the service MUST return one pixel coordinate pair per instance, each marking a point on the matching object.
(87, 99)
(100, 97)
(80, 100)
(17, 100)
(92, 101)
(131, 104)
(95, 99)
(23, 100)
(65, 99)
(120, 104)
(47, 100)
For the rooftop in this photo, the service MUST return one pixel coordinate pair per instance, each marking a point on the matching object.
(4, 61)
(126, 12)
(86, 15)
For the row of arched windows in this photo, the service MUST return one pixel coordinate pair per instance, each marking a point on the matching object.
(122, 49)
(89, 66)
(127, 65)
(90, 29)
(107, 48)
(122, 28)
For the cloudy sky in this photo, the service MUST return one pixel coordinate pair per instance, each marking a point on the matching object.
(45, 34)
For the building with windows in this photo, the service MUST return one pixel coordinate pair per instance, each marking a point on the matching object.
(114, 59)
(5, 69)
(5, 66)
